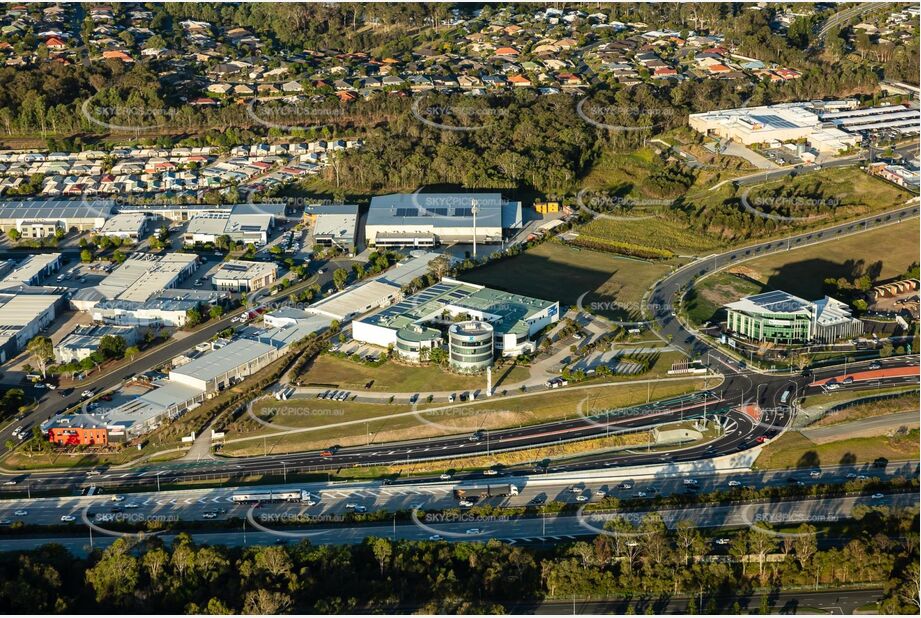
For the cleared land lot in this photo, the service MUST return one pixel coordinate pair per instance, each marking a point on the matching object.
(429, 420)
(555, 271)
(803, 271)
(392, 377)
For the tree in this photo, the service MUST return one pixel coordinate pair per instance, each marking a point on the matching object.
(13, 234)
(112, 346)
(193, 317)
(115, 577)
(215, 312)
(132, 352)
(42, 352)
(86, 256)
(340, 276)
(382, 550)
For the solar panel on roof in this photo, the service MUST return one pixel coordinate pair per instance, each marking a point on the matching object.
(463, 212)
(407, 212)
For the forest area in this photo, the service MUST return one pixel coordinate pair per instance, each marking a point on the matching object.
(646, 565)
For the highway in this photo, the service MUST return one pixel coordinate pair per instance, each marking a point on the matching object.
(332, 498)
(286, 523)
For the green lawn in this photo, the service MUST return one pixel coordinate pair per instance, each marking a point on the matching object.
(555, 271)
(328, 370)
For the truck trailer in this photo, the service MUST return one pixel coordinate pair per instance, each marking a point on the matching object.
(486, 491)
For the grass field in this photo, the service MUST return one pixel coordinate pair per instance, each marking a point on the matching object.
(802, 271)
(853, 192)
(388, 423)
(883, 407)
(330, 371)
(793, 450)
(554, 271)
(706, 299)
(659, 233)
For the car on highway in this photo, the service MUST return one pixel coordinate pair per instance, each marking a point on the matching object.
(735, 484)
(877, 496)
(851, 475)
(722, 541)
(875, 365)
(444, 477)
(689, 482)
(132, 505)
(465, 502)
(848, 380)
(68, 518)
(815, 474)
(117, 498)
(600, 493)
(435, 537)
(209, 515)
(11, 482)
(21, 513)
(5, 521)
(640, 494)
(625, 485)
(451, 398)
(862, 477)
(87, 393)
(472, 531)
(581, 498)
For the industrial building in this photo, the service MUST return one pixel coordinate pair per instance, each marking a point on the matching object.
(85, 339)
(130, 226)
(185, 212)
(243, 276)
(41, 218)
(138, 279)
(29, 271)
(333, 225)
(356, 300)
(514, 318)
(166, 308)
(827, 128)
(427, 220)
(780, 317)
(22, 317)
(245, 228)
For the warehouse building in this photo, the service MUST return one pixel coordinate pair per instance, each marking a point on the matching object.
(22, 317)
(333, 225)
(515, 319)
(245, 228)
(85, 339)
(138, 279)
(128, 226)
(356, 300)
(30, 271)
(780, 317)
(166, 308)
(42, 218)
(243, 276)
(427, 220)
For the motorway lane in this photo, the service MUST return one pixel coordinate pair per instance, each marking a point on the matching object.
(263, 527)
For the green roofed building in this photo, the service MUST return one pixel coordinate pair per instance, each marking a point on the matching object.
(780, 317)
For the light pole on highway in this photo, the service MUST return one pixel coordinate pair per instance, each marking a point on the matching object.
(284, 471)
(158, 480)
